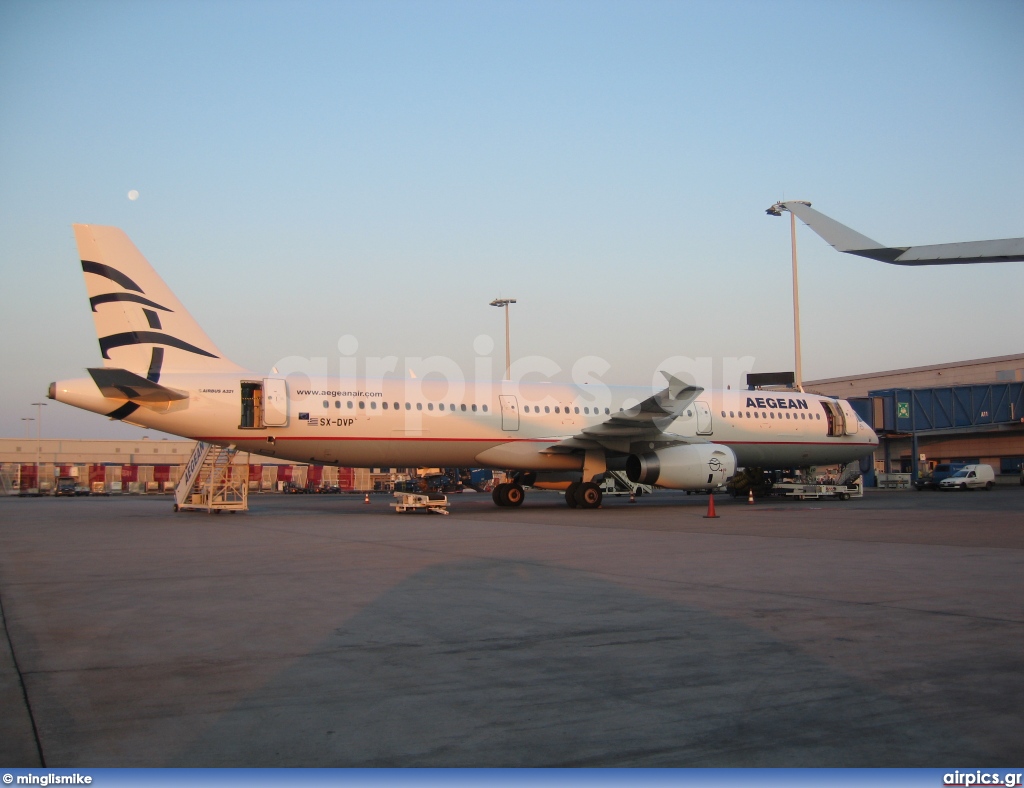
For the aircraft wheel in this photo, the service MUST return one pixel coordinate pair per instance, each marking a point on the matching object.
(514, 495)
(638, 492)
(588, 496)
(570, 495)
(498, 495)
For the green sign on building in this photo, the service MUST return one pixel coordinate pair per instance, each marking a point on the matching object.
(903, 410)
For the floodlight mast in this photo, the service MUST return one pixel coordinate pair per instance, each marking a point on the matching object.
(39, 443)
(508, 360)
(776, 210)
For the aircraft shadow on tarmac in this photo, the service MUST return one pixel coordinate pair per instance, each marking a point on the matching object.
(482, 663)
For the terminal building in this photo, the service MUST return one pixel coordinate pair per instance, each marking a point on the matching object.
(966, 411)
(154, 466)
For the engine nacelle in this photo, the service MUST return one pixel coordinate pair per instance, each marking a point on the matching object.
(700, 466)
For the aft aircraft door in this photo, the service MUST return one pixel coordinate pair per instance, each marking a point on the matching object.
(703, 418)
(509, 412)
(252, 405)
(275, 402)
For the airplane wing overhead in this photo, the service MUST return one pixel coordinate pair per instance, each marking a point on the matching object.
(645, 421)
(844, 239)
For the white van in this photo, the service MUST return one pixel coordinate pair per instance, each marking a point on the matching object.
(970, 477)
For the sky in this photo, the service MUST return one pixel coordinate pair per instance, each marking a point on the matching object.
(313, 171)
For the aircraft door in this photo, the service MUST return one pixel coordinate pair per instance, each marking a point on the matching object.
(849, 417)
(835, 418)
(252, 405)
(509, 412)
(704, 423)
(275, 402)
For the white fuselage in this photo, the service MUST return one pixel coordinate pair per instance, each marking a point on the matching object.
(412, 423)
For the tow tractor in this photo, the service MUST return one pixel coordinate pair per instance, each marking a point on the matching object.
(847, 486)
(420, 502)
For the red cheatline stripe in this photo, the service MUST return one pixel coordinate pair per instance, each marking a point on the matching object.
(240, 438)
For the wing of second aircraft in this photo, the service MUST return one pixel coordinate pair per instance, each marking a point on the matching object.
(845, 239)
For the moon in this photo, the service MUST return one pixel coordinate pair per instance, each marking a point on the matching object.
(133, 195)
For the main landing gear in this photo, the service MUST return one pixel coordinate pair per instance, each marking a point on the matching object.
(583, 495)
(508, 495)
(579, 495)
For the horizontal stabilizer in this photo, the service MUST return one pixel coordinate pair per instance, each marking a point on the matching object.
(122, 383)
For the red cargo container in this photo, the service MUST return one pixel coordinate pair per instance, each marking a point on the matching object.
(28, 478)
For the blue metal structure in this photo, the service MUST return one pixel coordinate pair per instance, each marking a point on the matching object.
(927, 411)
(949, 408)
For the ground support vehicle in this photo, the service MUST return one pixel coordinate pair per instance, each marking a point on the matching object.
(413, 502)
(843, 492)
(66, 486)
(970, 477)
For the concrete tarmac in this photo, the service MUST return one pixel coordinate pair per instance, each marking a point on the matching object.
(319, 631)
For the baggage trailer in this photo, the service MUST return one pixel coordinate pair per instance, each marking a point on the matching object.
(418, 502)
(801, 492)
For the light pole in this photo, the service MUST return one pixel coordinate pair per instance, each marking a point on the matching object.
(776, 210)
(508, 358)
(39, 438)
(27, 419)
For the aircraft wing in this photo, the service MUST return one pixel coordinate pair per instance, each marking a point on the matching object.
(645, 421)
(843, 239)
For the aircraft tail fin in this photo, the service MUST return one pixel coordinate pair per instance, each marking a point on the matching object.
(141, 325)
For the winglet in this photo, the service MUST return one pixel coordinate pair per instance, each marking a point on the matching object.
(678, 389)
(838, 235)
(841, 237)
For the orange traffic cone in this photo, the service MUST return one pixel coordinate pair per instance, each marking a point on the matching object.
(632, 497)
(750, 496)
(711, 508)
(366, 499)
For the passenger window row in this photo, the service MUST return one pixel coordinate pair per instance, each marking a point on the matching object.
(565, 409)
(771, 414)
(361, 405)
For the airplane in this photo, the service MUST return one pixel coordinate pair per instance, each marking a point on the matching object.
(844, 239)
(161, 371)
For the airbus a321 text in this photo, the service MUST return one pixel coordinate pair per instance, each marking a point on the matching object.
(160, 370)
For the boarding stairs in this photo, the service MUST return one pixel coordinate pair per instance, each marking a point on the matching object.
(617, 483)
(210, 483)
(851, 473)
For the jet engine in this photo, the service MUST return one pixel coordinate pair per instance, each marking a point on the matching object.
(699, 466)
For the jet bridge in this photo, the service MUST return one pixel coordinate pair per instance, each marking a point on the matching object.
(948, 410)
